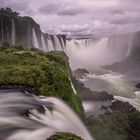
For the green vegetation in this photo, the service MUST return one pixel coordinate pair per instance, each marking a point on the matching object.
(64, 136)
(8, 12)
(116, 125)
(23, 31)
(47, 73)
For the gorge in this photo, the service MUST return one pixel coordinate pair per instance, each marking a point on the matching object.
(96, 77)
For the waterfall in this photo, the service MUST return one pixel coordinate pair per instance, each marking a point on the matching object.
(34, 39)
(58, 46)
(91, 53)
(72, 86)
(25, 117)
(13, 32)
(50, 44)
(88, 53)
(44, 46)
(121, 45)
(62, 44)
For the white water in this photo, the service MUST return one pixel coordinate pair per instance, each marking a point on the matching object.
(63, 45)
(57, 44)
(13, 36)
(50, 44)
(44, 46)
(113, 83)
(58, 117)
(72, 86)
(133, 101)
(34, 39)
(94, 107)
(89, 53)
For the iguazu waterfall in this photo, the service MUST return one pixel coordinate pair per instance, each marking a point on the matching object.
(71, 79)
(44, 46)
(99, 52)
(24, 116)
(35, 40)
(49, 43)
(58, 45)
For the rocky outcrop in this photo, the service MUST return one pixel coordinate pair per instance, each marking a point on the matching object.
(122, 106)
(88, 95)
(25, 31)
(64, 136)
(138, 85)
(79, 73)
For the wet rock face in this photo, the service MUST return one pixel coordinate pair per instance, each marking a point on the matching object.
(64, 136)
(79, 73)
(138, 85)
(22, 30)
(88, 95)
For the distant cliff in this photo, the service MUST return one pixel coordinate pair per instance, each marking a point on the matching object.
(25, 31)
(131, 64)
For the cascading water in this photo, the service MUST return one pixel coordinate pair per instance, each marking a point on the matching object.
(25, 117)
(50, 44)
(113, 83)
(34, 39)
(91, 53)
(98, 52)
(13, 32)
(121, 45)
(44, 46)
(73, 88)
(57, 43)
(62, 44)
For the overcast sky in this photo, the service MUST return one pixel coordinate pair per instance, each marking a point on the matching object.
(81, 17)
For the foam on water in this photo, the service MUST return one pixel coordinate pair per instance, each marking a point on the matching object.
(113, 83)
(46, 116)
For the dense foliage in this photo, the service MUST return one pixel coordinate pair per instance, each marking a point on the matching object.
(47, 73)
(64, 136)
(8, 12)
(116, 125)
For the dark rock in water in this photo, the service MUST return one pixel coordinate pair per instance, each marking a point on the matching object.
(102, 96)
(104, 107)
(138, 85)
(88, 95)
(121, 122)
(79, 73)
(64, 136)
(122, 106)
(23, 88)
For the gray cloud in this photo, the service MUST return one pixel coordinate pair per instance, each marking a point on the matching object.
(19, 6)
(74, 28)
(126, 18)
(61, 9)
(81, 17)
